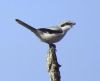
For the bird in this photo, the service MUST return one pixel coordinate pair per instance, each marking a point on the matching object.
(52, 34)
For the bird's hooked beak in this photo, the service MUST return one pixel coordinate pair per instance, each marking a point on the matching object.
(73, 23)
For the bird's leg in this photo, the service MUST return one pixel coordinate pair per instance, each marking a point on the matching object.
(52, 45)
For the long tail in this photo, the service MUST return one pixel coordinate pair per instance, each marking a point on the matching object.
(26, 25)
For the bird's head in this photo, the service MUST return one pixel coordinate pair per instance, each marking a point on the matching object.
(68, 24)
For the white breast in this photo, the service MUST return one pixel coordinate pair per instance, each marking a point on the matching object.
(51, 38)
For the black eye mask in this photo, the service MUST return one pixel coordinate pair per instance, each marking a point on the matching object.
(65, 24)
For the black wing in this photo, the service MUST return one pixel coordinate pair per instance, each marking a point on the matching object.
(45, 30)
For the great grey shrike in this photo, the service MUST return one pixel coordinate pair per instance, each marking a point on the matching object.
(51, 34)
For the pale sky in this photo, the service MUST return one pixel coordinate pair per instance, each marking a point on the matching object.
(23, 55)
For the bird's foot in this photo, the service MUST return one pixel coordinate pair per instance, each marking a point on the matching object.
(52, 45)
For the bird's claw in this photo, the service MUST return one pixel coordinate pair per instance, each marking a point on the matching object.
(52, 45)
